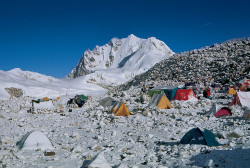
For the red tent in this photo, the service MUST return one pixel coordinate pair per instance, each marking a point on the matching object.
(184, 94)
(224, 111)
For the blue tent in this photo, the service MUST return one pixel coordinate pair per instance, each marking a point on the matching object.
(168, 90)
(196, 136)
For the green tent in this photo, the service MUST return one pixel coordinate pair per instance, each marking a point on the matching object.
(152, 92)
(82, 97)
(168, 90)
(196, 136)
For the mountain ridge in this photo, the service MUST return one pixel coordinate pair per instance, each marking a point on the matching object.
(126, 54)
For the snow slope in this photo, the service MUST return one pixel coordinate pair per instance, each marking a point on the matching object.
(122, 58)
(38, 85)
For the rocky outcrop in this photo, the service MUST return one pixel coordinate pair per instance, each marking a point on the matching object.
(15, 91)
(226, 62)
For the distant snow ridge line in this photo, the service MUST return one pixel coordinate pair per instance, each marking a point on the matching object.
(224, 61)
(31, 75)
(131, 53)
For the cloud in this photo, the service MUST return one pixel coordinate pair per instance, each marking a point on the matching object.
(208, 24)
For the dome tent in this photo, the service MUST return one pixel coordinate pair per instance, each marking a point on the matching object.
(219, 111)
(197, 136)
(34, 140)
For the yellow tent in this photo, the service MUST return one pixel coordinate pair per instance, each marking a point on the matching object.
(120, 109)
(45, 99)
(160, 101)
(231, 91)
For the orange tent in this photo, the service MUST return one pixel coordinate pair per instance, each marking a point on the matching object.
(120, 109)
(45, 99)
(231, 91)
(160, 101)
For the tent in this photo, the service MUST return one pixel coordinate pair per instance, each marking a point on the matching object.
(99, 161)
(107, 102)
(185, 94)
(120, 109)
(245, 82)
(152, 92)
(168, 90)
(34, 140)
(242, 99)
(219, 111)
(197, 136)
(80, 100)
(82, 97)
(231, 91)
(160, 101)
(46, 99)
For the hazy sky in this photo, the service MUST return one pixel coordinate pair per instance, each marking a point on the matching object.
(50, 36)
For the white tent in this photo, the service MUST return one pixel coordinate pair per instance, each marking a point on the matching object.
(98, 161)
(241, 98)
(35, 140)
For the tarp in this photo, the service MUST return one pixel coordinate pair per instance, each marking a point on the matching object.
(185, 94)
(196, 136)
(242, 99)
(120, 109)
(160, 101)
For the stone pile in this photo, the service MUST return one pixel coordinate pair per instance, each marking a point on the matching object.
(226, 62)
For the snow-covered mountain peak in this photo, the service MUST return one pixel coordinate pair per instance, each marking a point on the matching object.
(31, 75)
(131, 55)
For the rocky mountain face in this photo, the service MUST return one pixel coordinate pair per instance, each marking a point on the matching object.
(131, 54)
(226, 62)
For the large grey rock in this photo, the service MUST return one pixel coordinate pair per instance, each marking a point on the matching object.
(17, 92)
